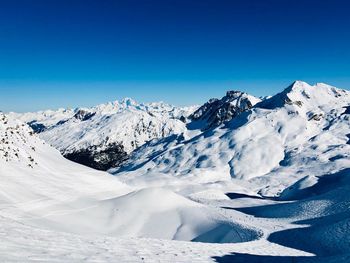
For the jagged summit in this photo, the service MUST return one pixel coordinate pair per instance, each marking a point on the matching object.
(218, 111)
(128, 102)
(234, 93)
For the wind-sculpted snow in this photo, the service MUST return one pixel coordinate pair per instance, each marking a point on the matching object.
(151, 212)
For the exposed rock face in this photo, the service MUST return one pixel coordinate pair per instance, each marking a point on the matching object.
(84, 115)
(37, 127)
(218, 111)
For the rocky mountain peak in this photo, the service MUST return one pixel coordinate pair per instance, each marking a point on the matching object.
(83, 115)
(127, 102)
(234, 93)
(217, 111)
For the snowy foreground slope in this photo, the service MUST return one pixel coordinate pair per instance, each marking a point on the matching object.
(270, 185)
(102, 136)
(51, 207)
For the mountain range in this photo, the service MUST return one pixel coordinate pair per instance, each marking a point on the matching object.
(102, 137)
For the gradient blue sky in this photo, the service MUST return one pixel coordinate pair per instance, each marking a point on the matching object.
(60, 53)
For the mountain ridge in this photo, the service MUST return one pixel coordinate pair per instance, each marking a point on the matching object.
(257, 144)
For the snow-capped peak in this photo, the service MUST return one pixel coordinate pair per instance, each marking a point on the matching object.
(115, 106)
(306, 97)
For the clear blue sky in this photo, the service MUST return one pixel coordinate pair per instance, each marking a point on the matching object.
(68, 53)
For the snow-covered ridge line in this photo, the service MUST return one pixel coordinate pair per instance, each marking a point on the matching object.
(52, 117)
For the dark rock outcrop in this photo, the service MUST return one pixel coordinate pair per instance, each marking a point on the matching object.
(37, 127)
(218, 111)
(109, 156)
(84, 115)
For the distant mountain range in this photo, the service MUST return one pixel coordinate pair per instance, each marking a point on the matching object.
(103, 136)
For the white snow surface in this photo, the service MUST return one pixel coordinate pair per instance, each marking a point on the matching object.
(250, 190)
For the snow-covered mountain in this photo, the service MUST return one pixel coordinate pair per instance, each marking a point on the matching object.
(299, 134)
(103, 136)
